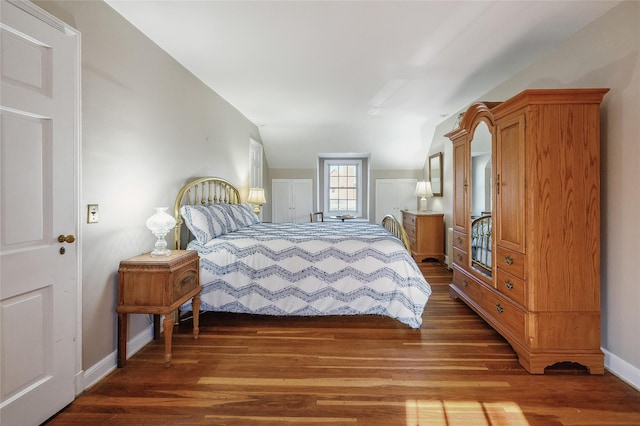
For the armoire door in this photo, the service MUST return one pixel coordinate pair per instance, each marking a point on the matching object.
(509, 223)
(461, 213)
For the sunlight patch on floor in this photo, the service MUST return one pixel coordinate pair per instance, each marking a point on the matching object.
(463, 413)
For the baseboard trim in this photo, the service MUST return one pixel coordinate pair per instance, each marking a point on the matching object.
(109, 363)
(622, 369)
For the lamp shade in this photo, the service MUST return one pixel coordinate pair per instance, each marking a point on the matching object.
(423, 189)
(256, 196)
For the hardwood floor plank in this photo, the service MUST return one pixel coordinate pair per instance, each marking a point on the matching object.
(370, 370)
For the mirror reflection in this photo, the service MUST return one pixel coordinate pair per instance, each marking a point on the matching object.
(481, 199)
(435, 174)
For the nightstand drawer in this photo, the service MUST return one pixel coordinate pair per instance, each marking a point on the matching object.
(187, 280)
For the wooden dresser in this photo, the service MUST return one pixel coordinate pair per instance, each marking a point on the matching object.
(542, 288)
(426, 234)
(157, 285)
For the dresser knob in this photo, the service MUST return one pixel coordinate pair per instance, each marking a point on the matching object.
(465, 283)
(508, 284)
(508, 260)
(499, 308)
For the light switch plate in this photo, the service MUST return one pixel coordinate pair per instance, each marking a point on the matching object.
(92, 213)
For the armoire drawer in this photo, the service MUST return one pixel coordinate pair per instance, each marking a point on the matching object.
(460, 257)
(460, 240)
(467, 285)
(511, 286)
(510, 261)
(503, 312)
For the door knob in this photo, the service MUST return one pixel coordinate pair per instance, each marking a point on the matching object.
(68, 239)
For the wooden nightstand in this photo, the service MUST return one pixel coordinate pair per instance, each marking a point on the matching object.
(426, 234)
(157, 285)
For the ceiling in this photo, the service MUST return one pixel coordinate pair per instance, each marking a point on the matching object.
(372, 77)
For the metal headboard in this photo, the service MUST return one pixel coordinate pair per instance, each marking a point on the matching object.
(393, 225)
(201, 191)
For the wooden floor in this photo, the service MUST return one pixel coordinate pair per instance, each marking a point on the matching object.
(246, 370)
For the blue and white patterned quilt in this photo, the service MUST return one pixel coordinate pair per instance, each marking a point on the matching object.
(311, 269)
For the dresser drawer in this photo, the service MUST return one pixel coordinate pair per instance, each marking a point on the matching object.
(467, 284)
(510, 261)
(408, 219)
(504, 313)
(511, 286)
(460, 240)
(411, 233)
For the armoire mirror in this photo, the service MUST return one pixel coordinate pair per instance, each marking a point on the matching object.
(435, 174)
(481, 198)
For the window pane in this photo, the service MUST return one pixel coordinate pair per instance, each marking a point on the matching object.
(342, 187)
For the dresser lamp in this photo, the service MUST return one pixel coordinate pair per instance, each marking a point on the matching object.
(160, 224)
(423, 190)
(256, 197)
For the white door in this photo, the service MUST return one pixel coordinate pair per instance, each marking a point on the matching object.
(281, 200)
(394, 195)
(38, 190)
(292, 200)
(302, 199)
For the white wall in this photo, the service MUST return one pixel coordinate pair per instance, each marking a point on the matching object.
(605, 54)
(148, 127)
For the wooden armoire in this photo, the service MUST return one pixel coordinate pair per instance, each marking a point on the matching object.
(532, 163)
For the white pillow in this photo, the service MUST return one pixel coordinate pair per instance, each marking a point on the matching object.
(242, 214)
(222, 213)
(207, 222)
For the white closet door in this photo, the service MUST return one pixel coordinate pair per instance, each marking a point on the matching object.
(302, 194)
(292, 200)
(281, 200)
(394, 195)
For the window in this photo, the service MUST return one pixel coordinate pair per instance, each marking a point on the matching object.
(343, 187)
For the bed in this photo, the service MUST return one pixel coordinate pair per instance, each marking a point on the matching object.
(295, 269)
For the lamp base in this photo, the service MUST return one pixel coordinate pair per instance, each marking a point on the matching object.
(161, 253)
(256, 209)
(161, 249)
(424, 207)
